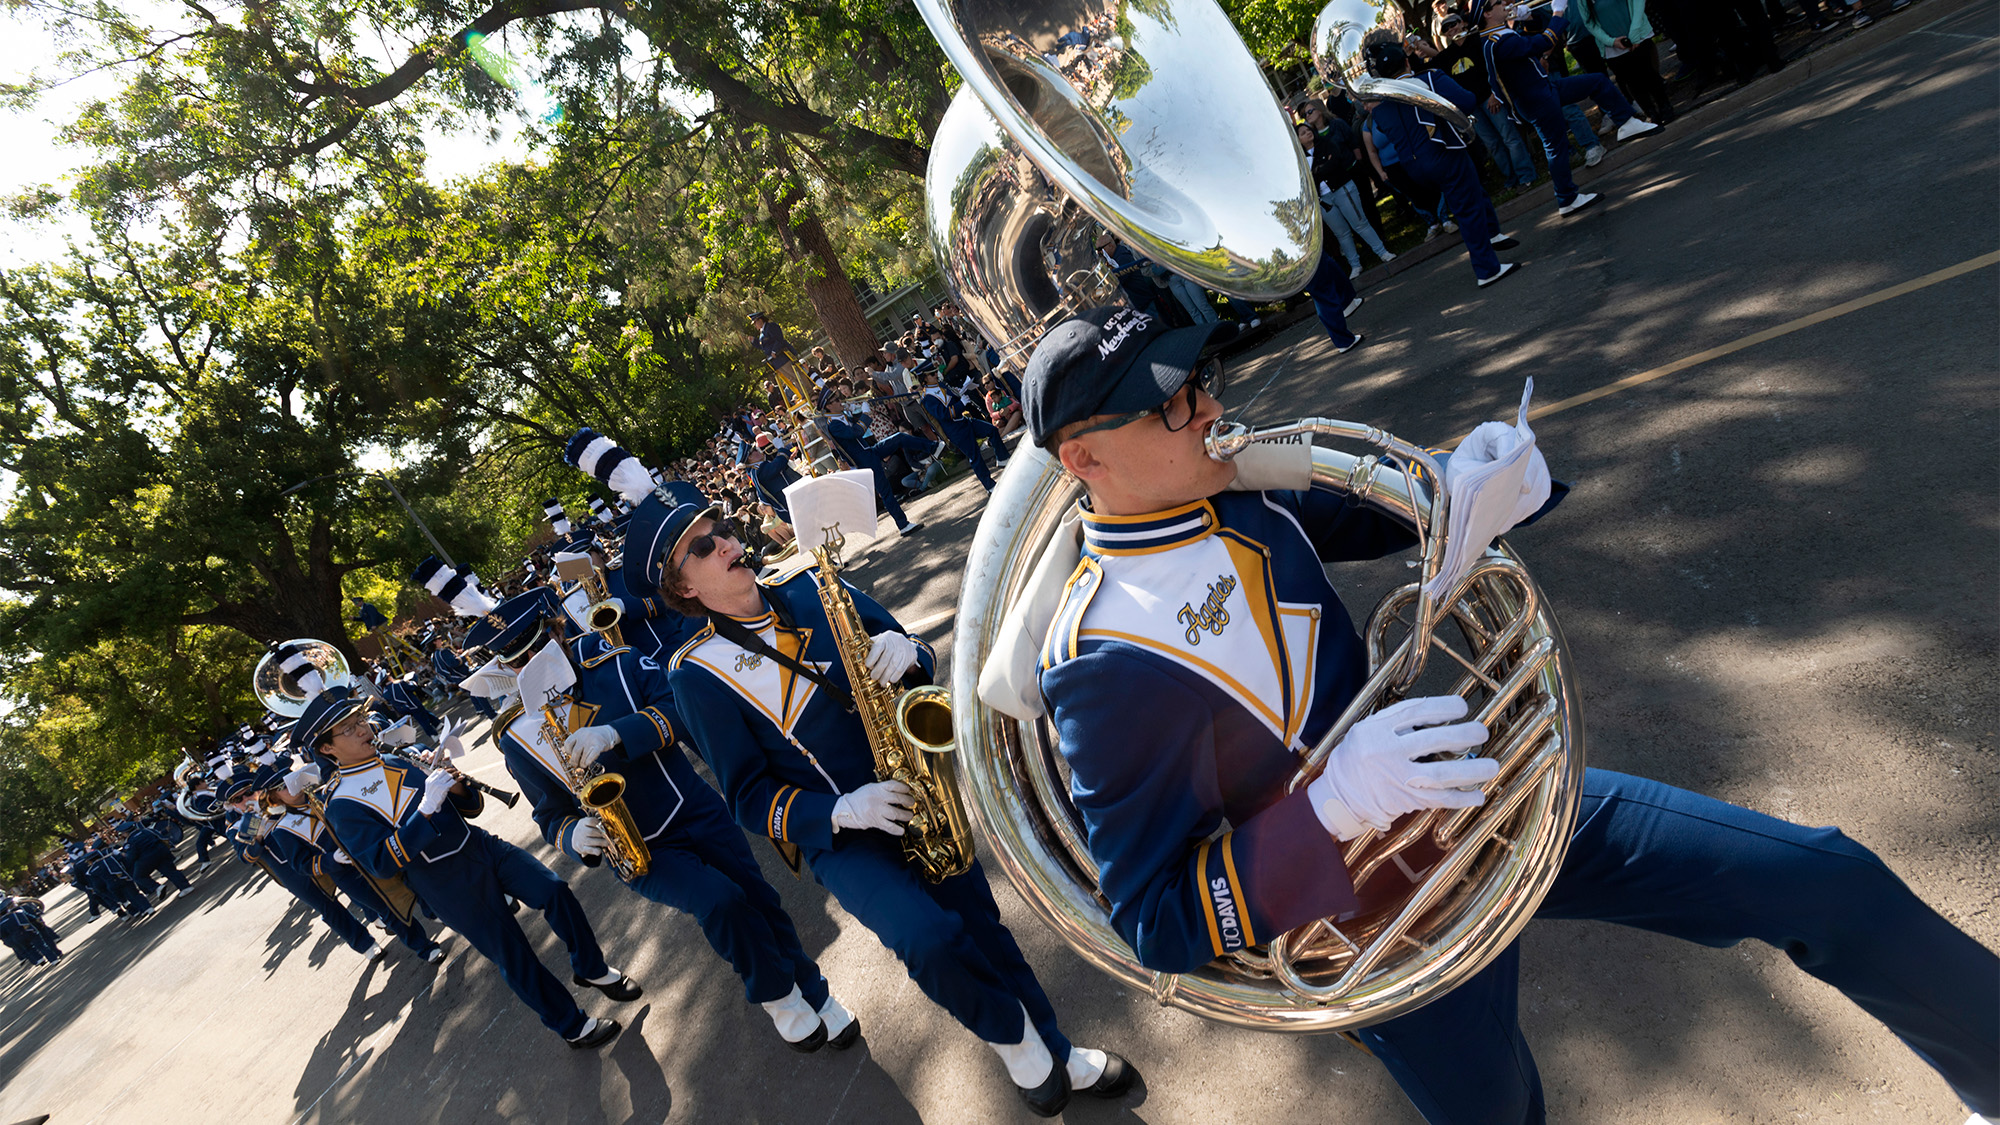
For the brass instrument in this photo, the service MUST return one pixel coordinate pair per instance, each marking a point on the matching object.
(1164, 131)
(603, 612)
(603, 793)
(280, 695)
(909, 732)
(809, 440)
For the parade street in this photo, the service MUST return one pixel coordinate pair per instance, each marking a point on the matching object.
(1766, 361)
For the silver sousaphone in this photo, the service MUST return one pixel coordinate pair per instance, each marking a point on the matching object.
(282, 694)
(1161, 128)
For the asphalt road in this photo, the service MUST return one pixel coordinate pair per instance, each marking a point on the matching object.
(1776, 569)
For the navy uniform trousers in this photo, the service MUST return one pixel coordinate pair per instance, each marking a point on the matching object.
(965, 433)
(1544, 113)
(337, 917)
(702, 865)
(1332, 292)
(1658, 858)
(116, 887)
(30, 940)
(466, 890)
(151, 856)
(362, 893)
(948, 935)
(1452, 173)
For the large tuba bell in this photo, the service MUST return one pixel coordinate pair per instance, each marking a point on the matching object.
(282, 692)
(1157, 123)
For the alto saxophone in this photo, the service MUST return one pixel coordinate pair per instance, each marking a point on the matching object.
(909, 732)
(604, 611)
(603, 793)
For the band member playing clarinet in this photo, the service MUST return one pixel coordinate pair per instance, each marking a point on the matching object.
(396, 819)
(619, 715)
(1200, 649)
(795, 765)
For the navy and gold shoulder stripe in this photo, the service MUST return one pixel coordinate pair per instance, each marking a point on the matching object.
(674, 661)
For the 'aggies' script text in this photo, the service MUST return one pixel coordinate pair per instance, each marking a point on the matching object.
(1211, 616)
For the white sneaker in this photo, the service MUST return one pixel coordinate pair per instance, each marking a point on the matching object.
(1255, 321)
(1433, 232)
(910, 528)
(1350, 347)
(374, 951)
(1450, 227)
(1583, 199)
(1604, 126)
(1353, 272)
(1634, 127)
(1351, 306)
(1593, 154)
(1387, 258)
(1505, 269)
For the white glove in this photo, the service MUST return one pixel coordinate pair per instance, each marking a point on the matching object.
(886, 805)
(589, 744)
(1373, 776)
(342, 857)
(301, 779)
(436, 787)
(1558, 7)
(451, 743)
(891, 656)
(588, 837)
(1496, 478)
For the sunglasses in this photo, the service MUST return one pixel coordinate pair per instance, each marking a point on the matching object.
(1176, 412)
(702, 546)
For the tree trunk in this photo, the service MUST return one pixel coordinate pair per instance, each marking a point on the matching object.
(825, 280)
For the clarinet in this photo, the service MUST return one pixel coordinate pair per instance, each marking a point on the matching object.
(505, 797)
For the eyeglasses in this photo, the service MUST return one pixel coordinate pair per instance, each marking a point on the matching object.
(1176, 412)
(702, 546)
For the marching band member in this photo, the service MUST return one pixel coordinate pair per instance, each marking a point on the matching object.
(699, 861)
(796, 766)
(650, 626)
(1175, 719)
(147, 855)
(963, 430)
(293, 863)
(302, 833)
(395, 818)
(24, 931)
(114, 882)
(1438, 155)
(1534, 98)
(863, 452)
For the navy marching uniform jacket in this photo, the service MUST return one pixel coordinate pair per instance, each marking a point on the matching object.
(1409, 127)
(372, 807)
(1208, 639)
(1514, 61)
(619, 688)
(774, 784)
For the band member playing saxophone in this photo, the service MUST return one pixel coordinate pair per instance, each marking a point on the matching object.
(1200, 647)
(796, 766)
(619, 716)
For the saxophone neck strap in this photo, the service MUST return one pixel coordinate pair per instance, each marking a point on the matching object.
(734, 630)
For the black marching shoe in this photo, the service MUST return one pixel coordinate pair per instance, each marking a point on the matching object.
(1049, 1098)
(622, 990)
(1117, 1078)
(848, 1037)
(811, 1042)
(596, 1033)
